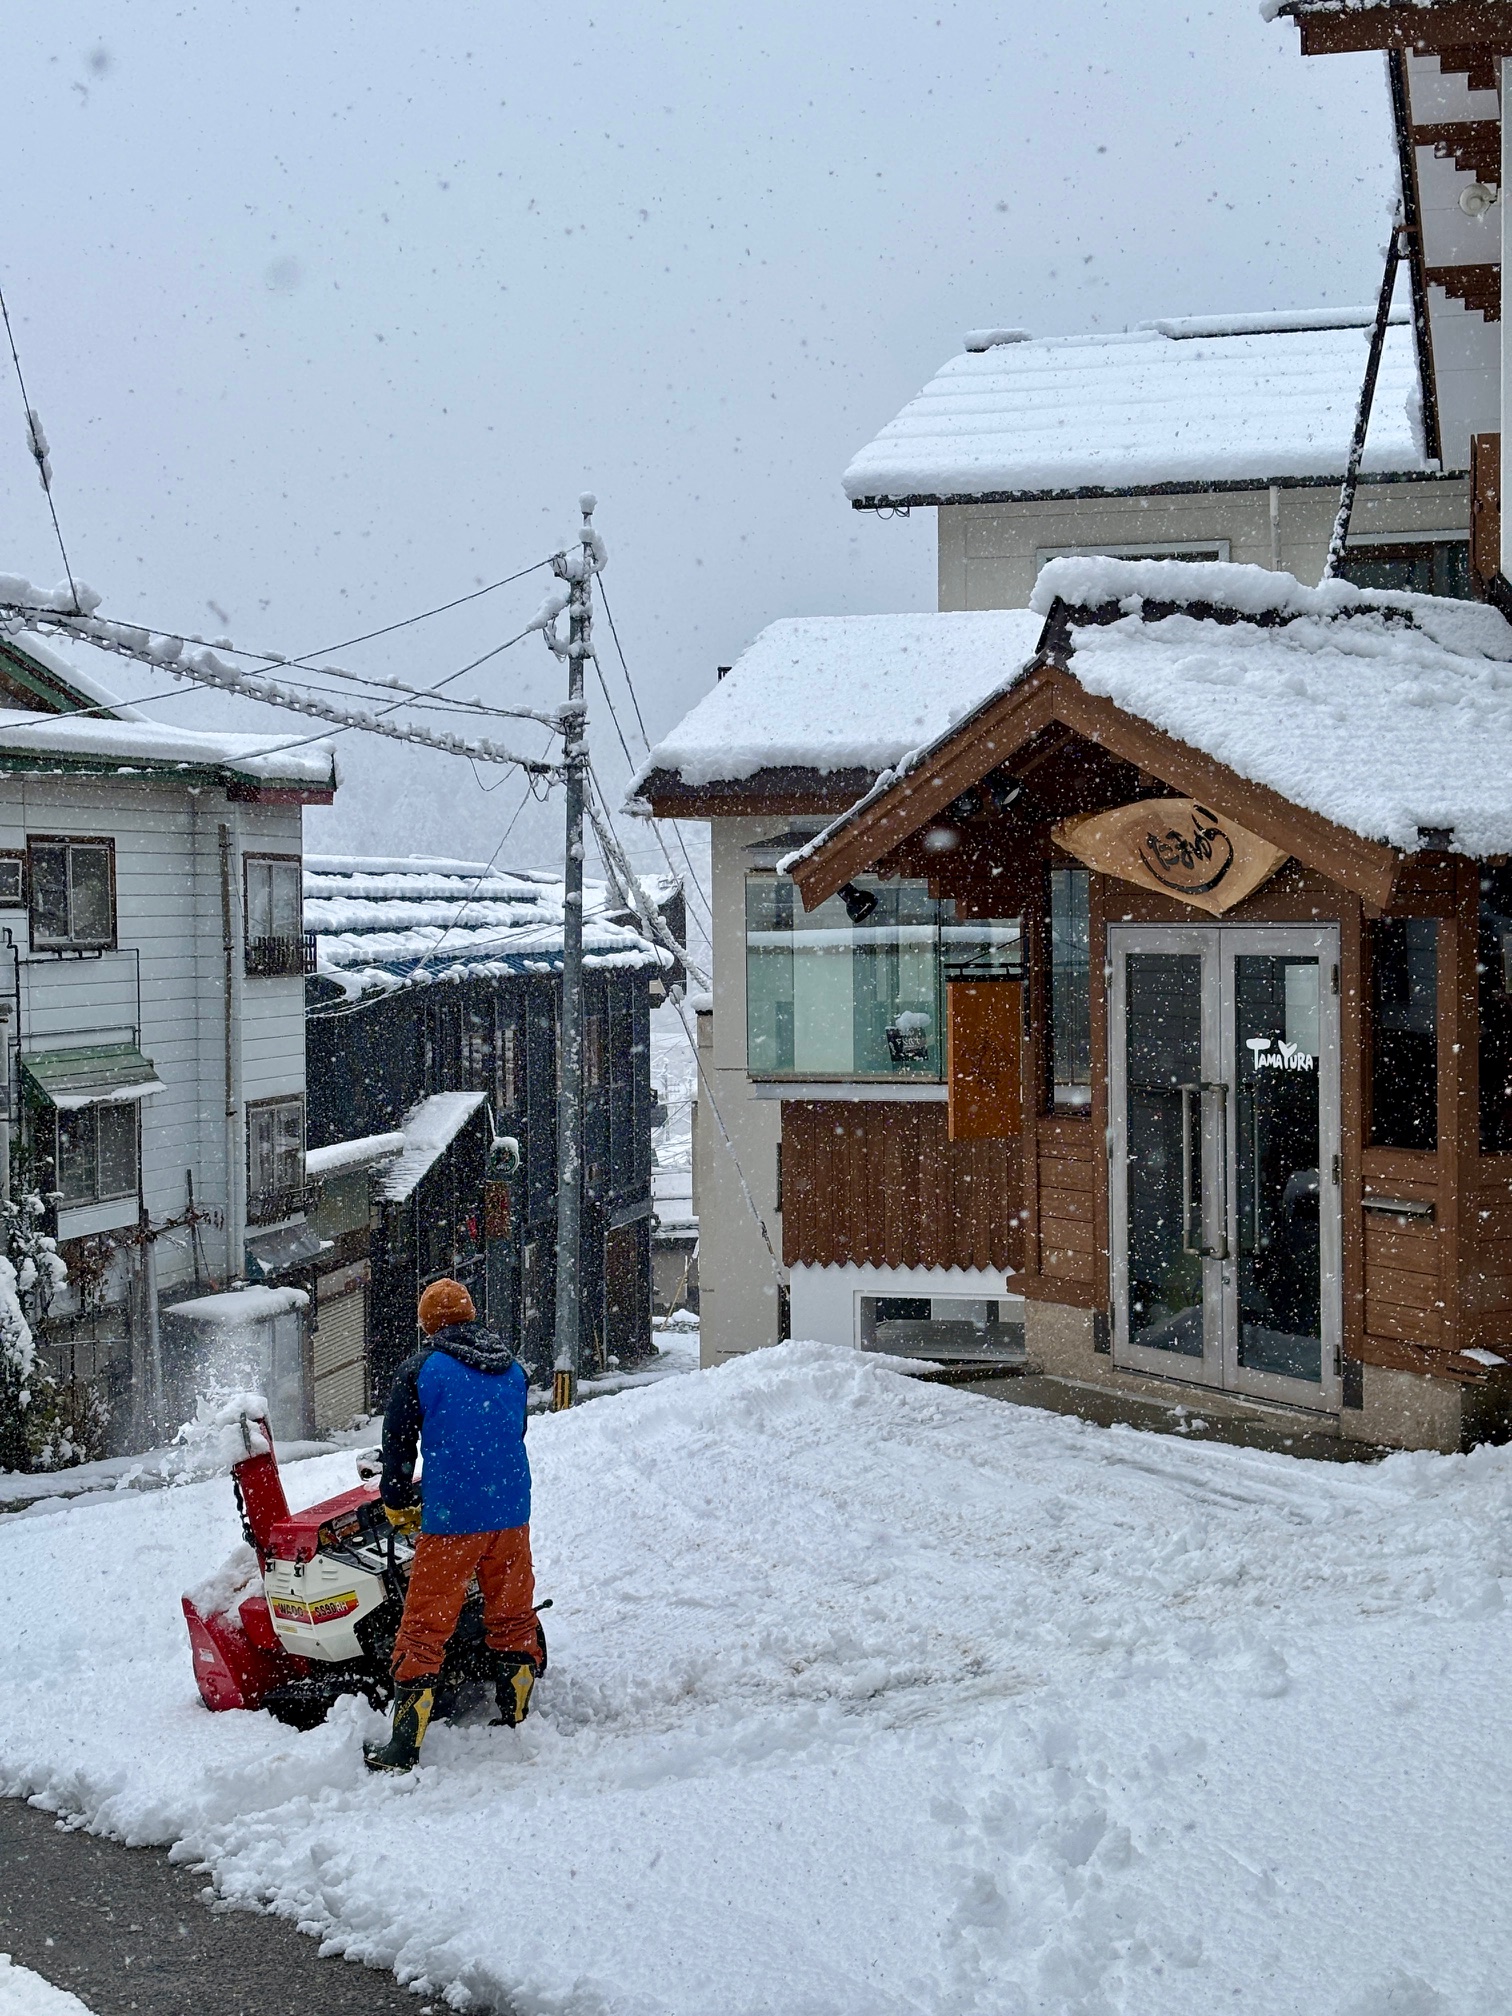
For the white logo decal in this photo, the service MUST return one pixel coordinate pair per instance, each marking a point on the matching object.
(1285, 1057)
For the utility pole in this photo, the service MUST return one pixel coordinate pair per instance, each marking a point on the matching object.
(578, 570)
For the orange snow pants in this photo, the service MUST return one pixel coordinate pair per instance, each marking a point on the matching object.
(444, 1565)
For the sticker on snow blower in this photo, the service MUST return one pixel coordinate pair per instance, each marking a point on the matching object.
(324, 1610)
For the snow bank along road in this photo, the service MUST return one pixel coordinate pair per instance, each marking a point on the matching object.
(866, 1697)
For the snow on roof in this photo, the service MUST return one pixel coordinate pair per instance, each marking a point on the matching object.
(85, 684)
(843, 693)
(1389, 714)
(124, 744)
(344, 1158)
(387, 922)
(239, 1306)
(429, 1130)
(1236, 399)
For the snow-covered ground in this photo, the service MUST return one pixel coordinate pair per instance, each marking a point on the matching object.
(867, 1697)
(23, 1993)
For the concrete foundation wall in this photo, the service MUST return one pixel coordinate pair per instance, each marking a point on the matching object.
(989, 554)
(1400, 1410)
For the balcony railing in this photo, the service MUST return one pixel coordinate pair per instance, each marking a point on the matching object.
(282, 958)
(271, 1207)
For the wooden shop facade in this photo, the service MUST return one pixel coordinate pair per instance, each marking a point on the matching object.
(1242, 1107)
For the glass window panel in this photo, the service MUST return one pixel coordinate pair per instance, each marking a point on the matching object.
(116, 1125)
(983, 949)
(89, 895)
(1163, 1038)
(259, 900)
(1070, 988)
(1494, 964)
(1404, 1032)
(75, 1173)
(288, 1145)
(284, 898)
(49, 893)
(260, 1149)
(831, 997)
(1276, 1078)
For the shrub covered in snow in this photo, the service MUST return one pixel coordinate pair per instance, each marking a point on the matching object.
(45, 1423)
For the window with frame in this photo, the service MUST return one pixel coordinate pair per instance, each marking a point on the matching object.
(12, 881)
(507, 1084)
(275, 1160)
(96, 1153)
(1494, 969)
(72, 890)
(593, 1050)
(1403, 1032)
(273, 916)
(1418, 566)
(1070, 1004)
(854, 988)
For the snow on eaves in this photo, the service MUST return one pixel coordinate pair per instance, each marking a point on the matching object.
(79, 738)
(1390, 715)
(843, 693)
(1174, 403)
(345, 1158)
(429, 1130)
(85, 684)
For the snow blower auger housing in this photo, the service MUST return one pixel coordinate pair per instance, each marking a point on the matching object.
(319, 1619)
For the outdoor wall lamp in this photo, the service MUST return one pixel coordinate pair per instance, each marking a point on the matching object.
(859, 903)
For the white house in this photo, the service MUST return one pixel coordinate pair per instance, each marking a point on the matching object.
(152, 963)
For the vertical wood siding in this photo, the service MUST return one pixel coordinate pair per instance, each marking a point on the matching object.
(880, 1184)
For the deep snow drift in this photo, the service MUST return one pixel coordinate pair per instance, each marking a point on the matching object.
(866, 1697)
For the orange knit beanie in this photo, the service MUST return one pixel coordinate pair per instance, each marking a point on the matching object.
(445, 1302)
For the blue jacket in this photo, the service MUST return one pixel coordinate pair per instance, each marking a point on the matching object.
(463, 1396)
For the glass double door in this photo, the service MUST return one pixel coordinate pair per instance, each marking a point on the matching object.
(1224, 1139)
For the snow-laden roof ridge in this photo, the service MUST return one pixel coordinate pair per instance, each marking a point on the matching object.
(421, 864)
(833, 693)
(90, 689)
(1237, 400)
(79, 737)
(1388, 714)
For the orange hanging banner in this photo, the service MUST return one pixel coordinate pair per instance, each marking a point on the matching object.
(1177, 848)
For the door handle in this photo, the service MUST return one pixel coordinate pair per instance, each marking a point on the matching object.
(1192, 1095)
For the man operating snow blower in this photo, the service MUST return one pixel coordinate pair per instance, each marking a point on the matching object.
(461, 1398)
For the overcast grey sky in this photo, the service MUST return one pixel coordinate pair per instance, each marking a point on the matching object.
(331, 311)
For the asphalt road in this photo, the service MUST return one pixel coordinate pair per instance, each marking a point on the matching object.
(125, 1929)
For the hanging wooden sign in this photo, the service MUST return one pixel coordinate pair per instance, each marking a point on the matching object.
(1174, 846)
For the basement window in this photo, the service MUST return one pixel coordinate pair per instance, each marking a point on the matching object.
(1404, 1032)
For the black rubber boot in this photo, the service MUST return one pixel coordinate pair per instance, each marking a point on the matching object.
(413, 1701)
(515, 1676)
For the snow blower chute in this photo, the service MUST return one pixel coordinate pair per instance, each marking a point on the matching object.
(318, 1618)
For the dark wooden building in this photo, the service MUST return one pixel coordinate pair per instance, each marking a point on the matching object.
(1244, 1117)
(431, 1044)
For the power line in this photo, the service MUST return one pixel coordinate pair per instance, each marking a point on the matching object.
(205, 668)
(302, 661)
(37, 441)
(682, 846)
(440, 610)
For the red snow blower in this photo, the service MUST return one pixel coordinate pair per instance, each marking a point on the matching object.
(321, 1618)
